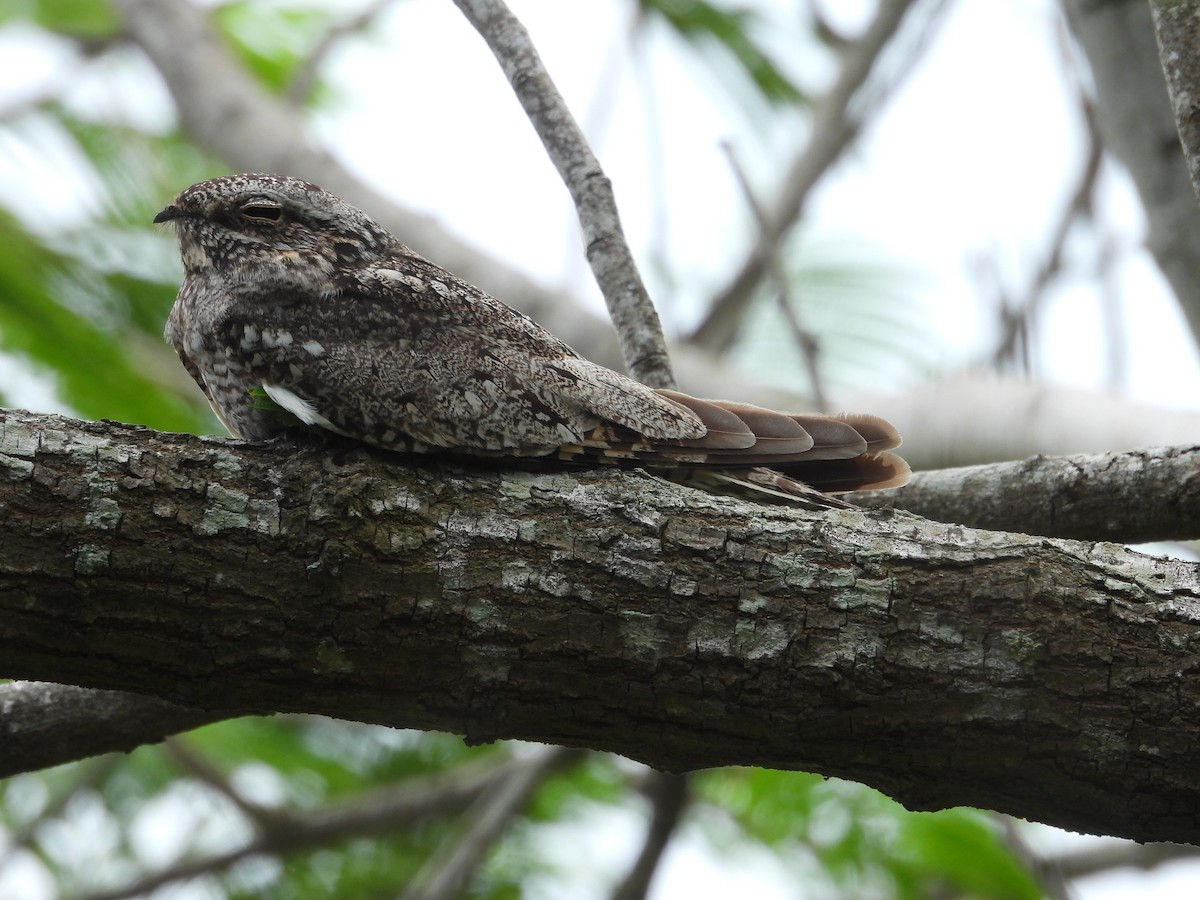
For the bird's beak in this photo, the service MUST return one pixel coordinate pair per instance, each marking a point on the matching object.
(168, 214)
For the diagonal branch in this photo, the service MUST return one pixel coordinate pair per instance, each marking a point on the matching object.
(806, 341)
(302, 82)
(632, 312)
(668, 795)
(448, 872)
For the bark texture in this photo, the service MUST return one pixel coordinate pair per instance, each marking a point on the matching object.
(1050, 679)
(1137, 497)
(46, 724)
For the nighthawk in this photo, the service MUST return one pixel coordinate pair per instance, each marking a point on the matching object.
(298, 308)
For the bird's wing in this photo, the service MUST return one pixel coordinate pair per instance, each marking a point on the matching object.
(403, 365)
(423, 361)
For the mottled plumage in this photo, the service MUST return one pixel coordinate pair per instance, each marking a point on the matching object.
(293, 294)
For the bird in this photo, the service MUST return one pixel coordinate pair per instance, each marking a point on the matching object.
(297, 309)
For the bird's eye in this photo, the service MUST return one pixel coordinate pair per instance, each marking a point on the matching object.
(258, 211)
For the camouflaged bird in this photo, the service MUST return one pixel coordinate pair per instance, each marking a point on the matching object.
(292, 293)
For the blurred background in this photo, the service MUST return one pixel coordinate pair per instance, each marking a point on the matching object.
(971, 218)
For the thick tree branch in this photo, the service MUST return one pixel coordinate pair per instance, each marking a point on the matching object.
(610, 610)
(629, 305)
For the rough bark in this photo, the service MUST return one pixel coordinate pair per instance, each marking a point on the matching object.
(1137, 497)
(1051, 679)
(46, 724)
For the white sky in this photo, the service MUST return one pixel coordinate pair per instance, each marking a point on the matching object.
(976, 153)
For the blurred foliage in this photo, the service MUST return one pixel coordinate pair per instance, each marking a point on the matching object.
(275, 42)
(866, 318)
(732, 30)
(84, 295)
(864, 843)
(78, 18)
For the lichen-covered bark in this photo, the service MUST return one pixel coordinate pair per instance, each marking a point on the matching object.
(1050, 679)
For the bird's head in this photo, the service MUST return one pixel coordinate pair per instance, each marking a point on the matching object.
(270, 227)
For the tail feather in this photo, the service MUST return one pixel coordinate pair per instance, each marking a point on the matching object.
(754, 449)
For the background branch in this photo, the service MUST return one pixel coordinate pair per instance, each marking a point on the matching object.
(403, 805)
(668, 796)
(834, 126)
(447, 873)
(806, 342)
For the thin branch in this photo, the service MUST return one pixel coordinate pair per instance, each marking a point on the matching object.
(448, 872)
(806, 341)
(834, 127)
(668, 795)
(195, 764)
(1017, 315)
(637, 324)
(1109, 855)
(1135, 497)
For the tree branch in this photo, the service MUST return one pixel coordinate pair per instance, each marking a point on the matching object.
(610, 610)
(633, 314)
(42, 725)
(1146, 495)
(806, 342)
(448, 872)
(668, 795)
